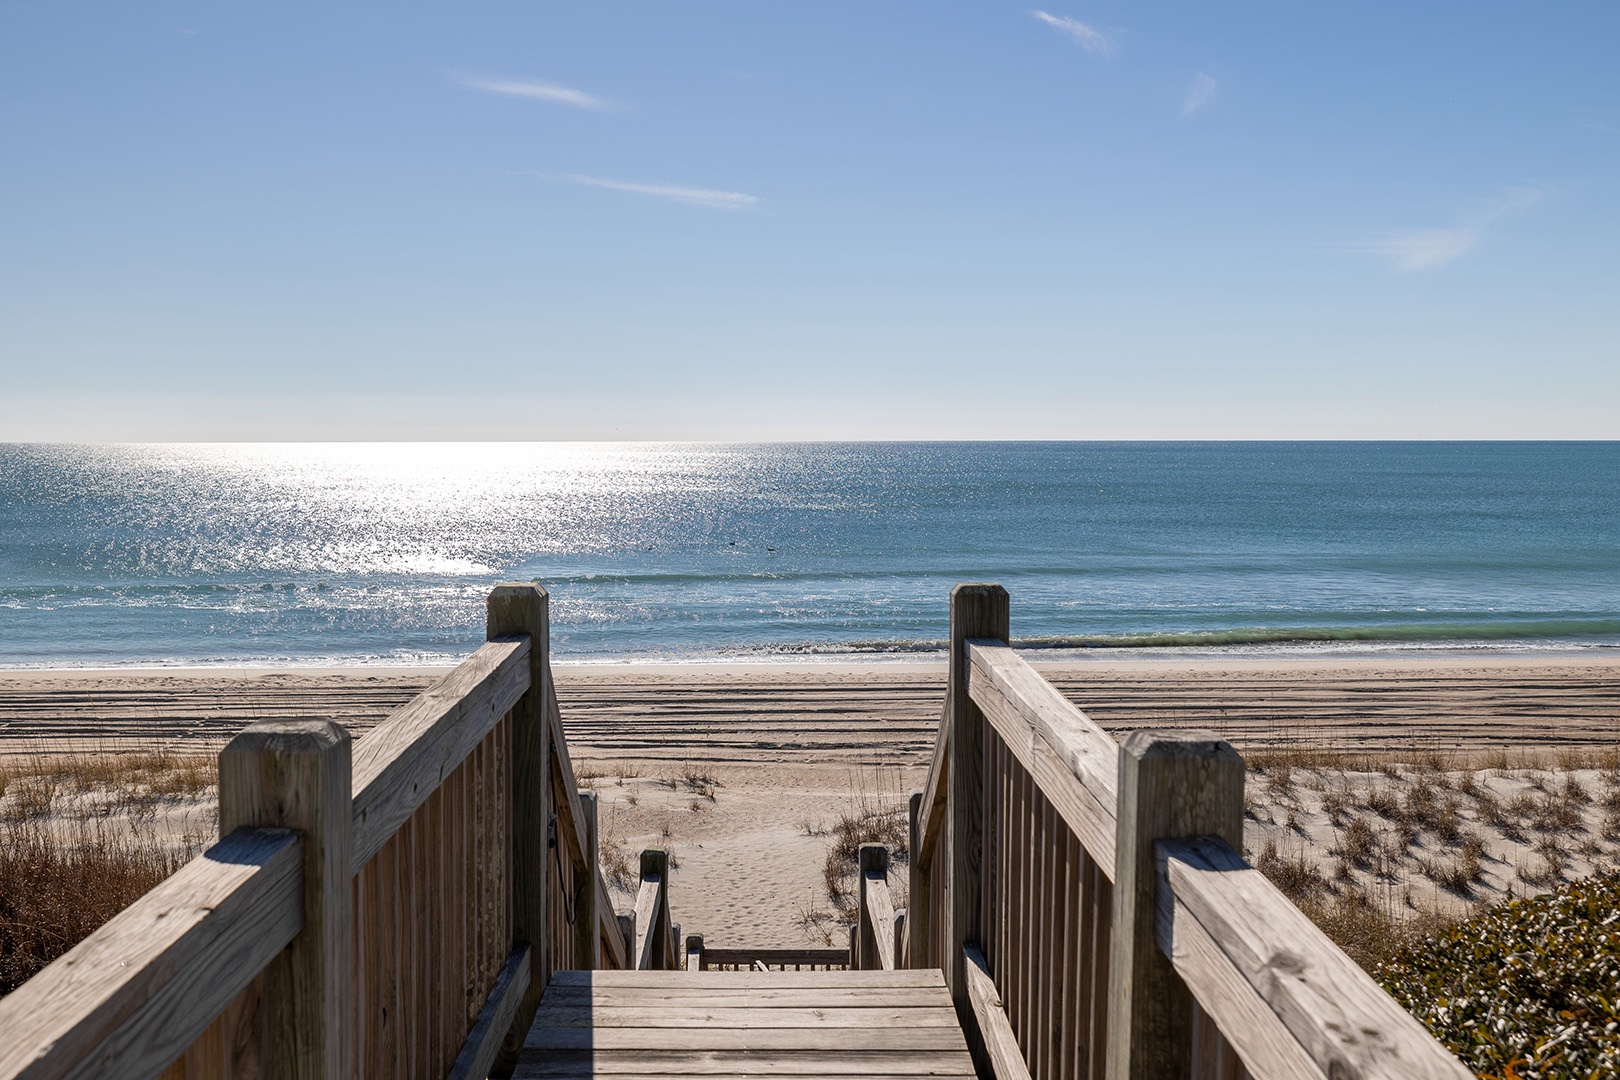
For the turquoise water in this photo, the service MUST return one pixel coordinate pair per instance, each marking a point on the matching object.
(373, 553)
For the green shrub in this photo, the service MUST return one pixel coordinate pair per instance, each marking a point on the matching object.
(1529, 990)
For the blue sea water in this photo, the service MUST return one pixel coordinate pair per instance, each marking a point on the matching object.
(382, 553)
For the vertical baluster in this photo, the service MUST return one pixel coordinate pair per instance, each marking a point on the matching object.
(1070, 1030)
(1047, 951)
(1021, 947)
(919, 905)
(1051, 948)
(1102, 920)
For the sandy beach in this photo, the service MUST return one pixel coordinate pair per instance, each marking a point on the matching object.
(742, 769)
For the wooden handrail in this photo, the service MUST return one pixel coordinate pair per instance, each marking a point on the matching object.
(570, 824)
(931, 815)
(483, 1043)
(652, 922)
(441, 809)
(1033, 847)
(612, 937)
(646, 915)
(1263, 971)
(995, 1031)
(707, 957)
(874, 929)
(402, 760)
(1075, 762)
(144, 986)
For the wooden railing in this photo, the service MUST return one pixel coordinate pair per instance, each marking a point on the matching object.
(655, 940)
(875, 941)
(700, 957)
(391, 912)
(1091, 911)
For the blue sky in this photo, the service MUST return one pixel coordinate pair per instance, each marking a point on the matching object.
(764, 220)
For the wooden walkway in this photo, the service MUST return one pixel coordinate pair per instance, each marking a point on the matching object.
(723, 1024)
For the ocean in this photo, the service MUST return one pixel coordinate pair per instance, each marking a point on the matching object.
(382, 553)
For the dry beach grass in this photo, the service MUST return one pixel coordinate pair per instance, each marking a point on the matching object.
(82, 835)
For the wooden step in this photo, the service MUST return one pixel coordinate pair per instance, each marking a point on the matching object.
(722, 1024)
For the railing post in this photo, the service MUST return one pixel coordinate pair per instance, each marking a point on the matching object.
(515, 609)
(977, 611)
(918, 882)
(1172, 785)
(627, 930)
(587, 934)
(655, 864)
(694, 952)
(874, 858)
(296, 774)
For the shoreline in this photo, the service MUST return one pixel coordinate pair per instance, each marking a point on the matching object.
(1303, 657)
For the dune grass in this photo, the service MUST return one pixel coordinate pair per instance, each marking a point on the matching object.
(80, 839)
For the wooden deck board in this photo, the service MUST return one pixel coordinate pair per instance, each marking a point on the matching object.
(736, 1024)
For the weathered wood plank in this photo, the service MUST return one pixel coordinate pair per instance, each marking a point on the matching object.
(404, 759)
(875, 950)
(524, 609)
(819, 1040)
(570, 827)
(668, 997)
(935, 789)
(995, 1031)
(1269, 1050)
(915, 942)
(1171, 785)
(647, 925)
(977, 611)
(294, 774)
(483, 1043)
(874, 1067)
(1073, 760)
(699, 981)
(773, 957)
(613, 953)
(1344, 1022)
(131, 997)
(874, 1064)
(747, 1018)
(587, 919)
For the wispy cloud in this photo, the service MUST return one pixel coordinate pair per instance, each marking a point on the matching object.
(719, 200)
(1089, 37)
(537, 91)
(1409, 250)
(1199, 95)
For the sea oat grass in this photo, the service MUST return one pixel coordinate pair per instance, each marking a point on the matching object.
(55, 889)
(79, 842)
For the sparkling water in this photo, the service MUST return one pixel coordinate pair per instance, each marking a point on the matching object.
(382, 553)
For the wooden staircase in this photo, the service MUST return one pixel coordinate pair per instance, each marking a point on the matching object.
(725, 1024)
